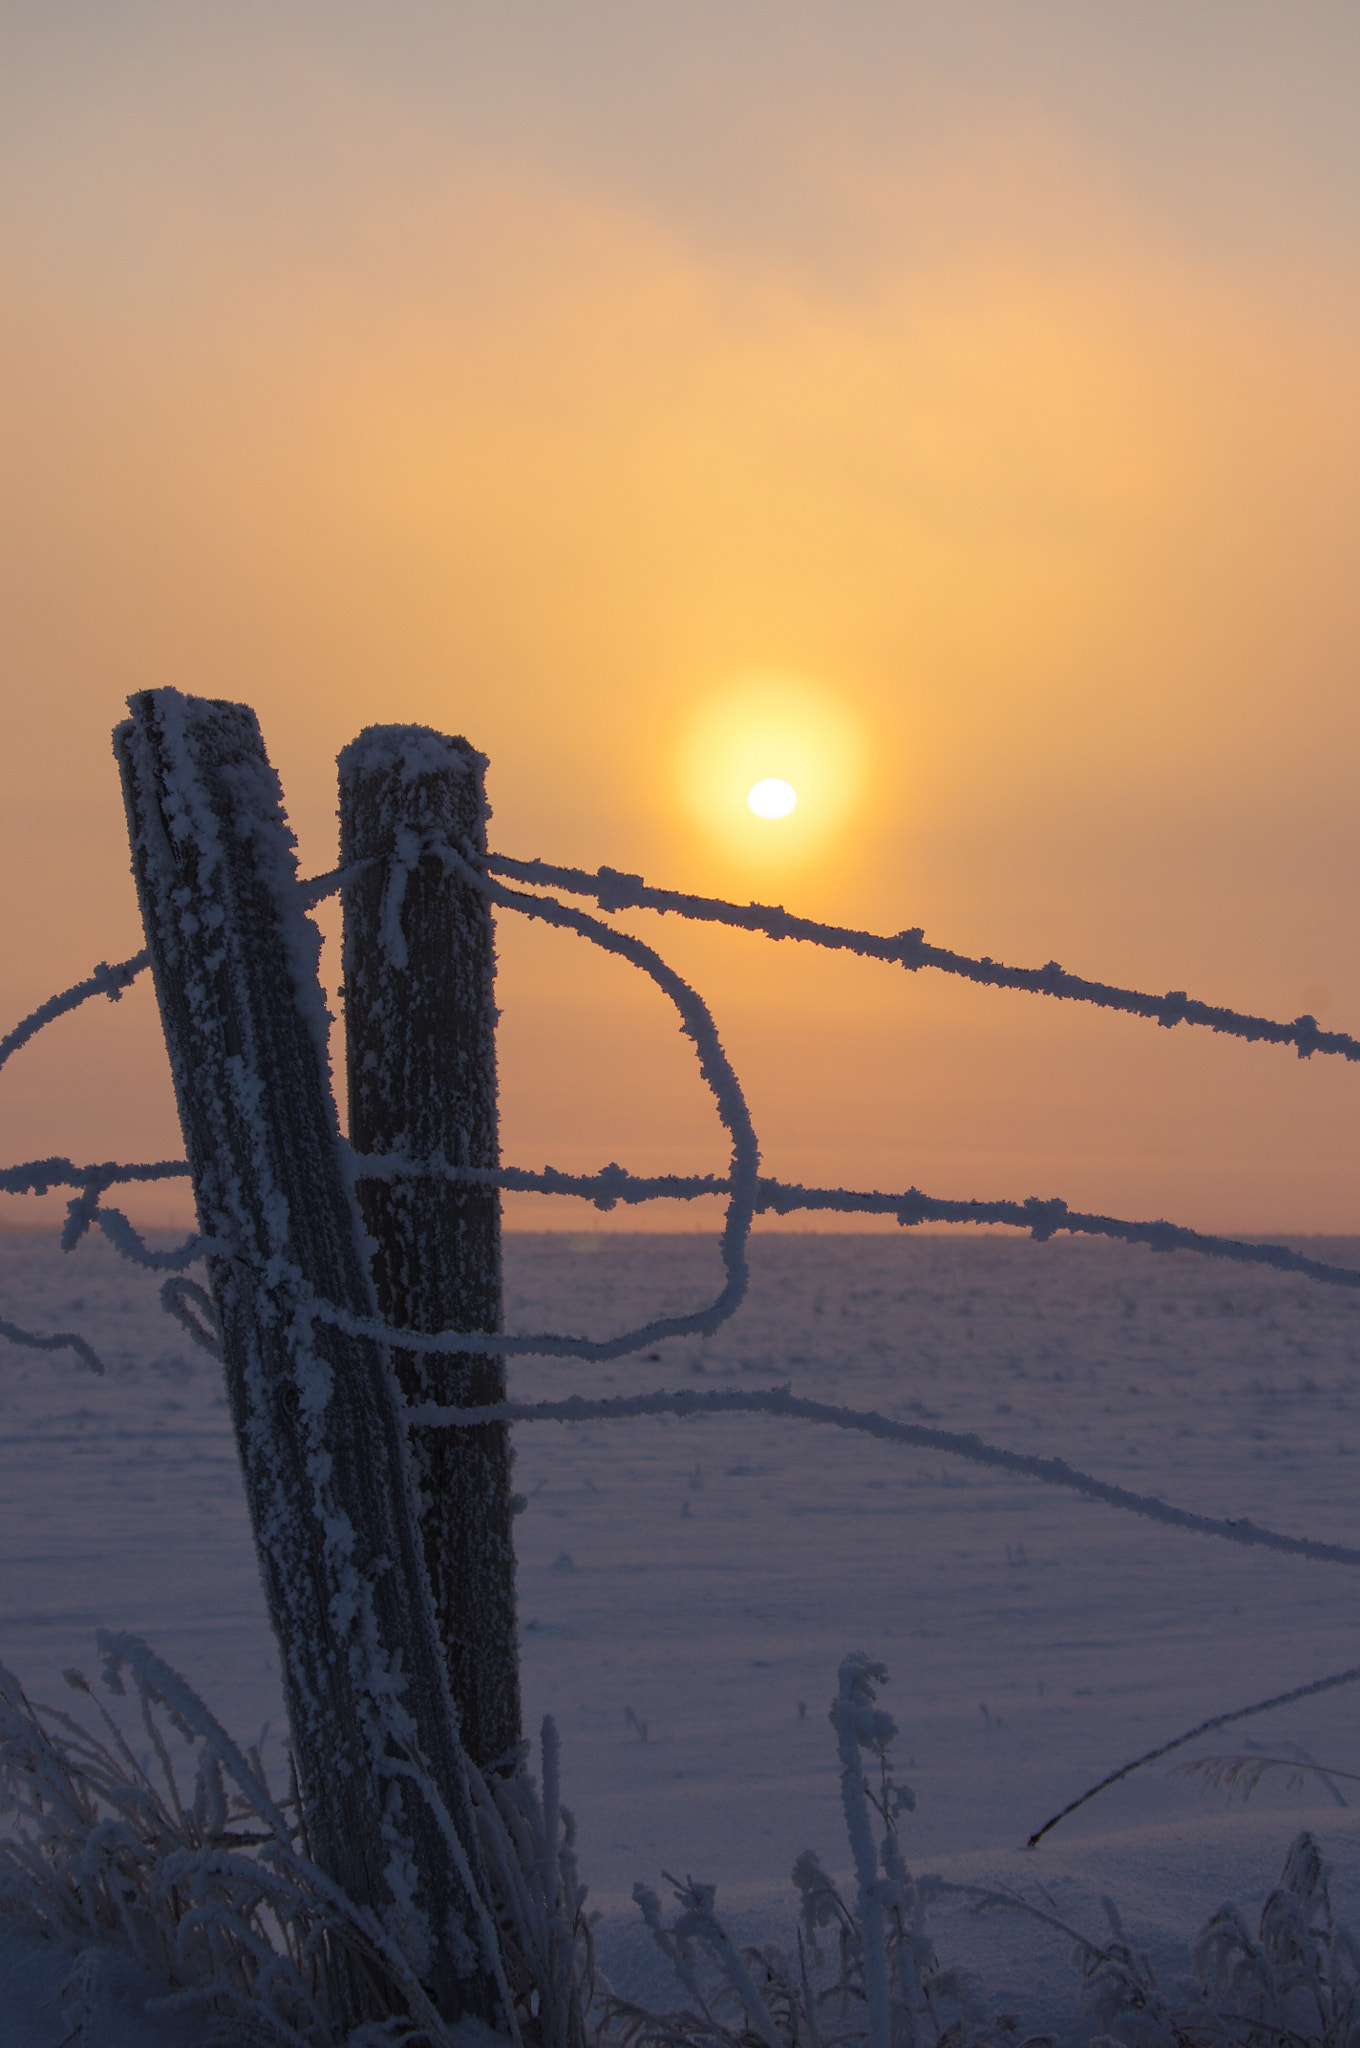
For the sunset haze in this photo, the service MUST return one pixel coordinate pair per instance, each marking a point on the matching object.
(952, 411)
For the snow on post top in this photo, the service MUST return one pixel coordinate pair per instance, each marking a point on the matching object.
(216, 786)
(408, 751)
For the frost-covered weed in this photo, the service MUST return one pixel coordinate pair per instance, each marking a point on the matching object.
(528, 1846)
(206, 1893)
(211, 1894)
(864, 1975)
(1295, 1981)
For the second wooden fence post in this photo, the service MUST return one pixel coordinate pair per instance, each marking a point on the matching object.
(420, 1022)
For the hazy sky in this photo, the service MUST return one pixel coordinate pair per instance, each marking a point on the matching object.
(956, 404)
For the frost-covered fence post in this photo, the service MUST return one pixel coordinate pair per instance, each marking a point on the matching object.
(421, 1024)
(317, 1412)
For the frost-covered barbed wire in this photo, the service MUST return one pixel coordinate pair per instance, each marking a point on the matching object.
(747, 1192)
(696, 1021)
(37, 1176)
(615, 891)
(782, 1402)
(56, 1340)
(1040, 1218)
(104, 981)
(86, 1211)
(194, 1309)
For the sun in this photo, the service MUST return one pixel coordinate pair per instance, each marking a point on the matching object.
(772, 748)
(772, 798)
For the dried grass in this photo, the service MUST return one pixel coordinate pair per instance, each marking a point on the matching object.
(211, 1895)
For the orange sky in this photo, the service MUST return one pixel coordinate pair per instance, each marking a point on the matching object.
(964, 396)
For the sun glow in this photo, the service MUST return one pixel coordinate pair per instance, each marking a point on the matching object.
(772, 798)
(772, 748)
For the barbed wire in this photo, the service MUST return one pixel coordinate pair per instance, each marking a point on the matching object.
(781, 1402)
(59, 1340)
(615, 891)
(104, 981)
(1041, 1219)
(715, 1067)
(37, 1176)
(747, 1193)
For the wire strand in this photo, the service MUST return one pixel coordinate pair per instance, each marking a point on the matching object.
(104, 981)
(780, 1401)
(1041, 1218)
(616, 891)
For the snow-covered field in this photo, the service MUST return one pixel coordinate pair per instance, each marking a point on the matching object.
(687, 1589)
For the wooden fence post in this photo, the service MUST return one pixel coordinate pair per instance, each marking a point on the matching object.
(317, 1413)
(420, 1019)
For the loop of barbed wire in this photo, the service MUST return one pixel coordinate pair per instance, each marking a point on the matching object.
(86, 1210)
(696, 1021)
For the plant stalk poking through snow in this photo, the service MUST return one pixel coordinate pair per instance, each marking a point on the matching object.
(860, 1724)
(882, 1988)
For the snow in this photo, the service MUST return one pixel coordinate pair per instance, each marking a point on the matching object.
(688, 1588)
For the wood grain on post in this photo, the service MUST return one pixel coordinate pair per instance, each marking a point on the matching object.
(421, 1031)
(317, 1413)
